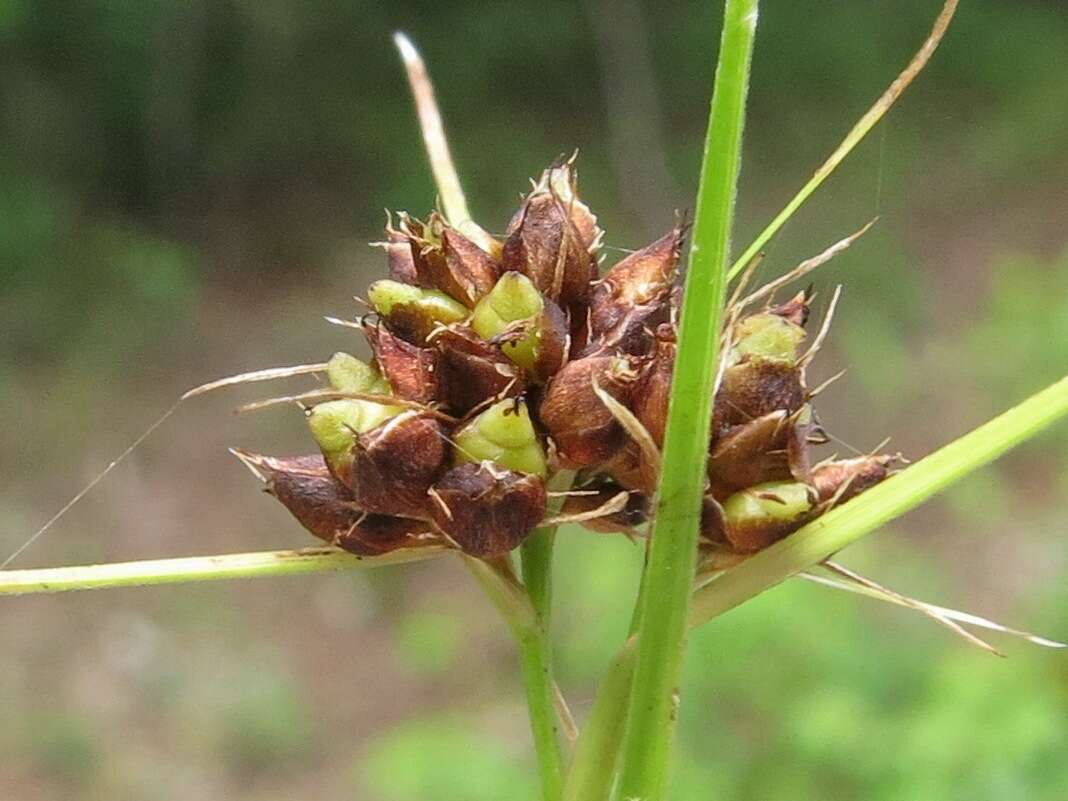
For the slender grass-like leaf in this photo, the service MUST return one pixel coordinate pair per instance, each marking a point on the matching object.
(853, 138)
(199, 568)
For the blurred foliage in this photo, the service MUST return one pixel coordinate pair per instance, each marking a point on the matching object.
(185, 186)
(447, 757)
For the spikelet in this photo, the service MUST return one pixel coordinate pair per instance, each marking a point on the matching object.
(509, 363)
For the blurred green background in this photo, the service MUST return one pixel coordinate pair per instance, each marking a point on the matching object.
(186, 187)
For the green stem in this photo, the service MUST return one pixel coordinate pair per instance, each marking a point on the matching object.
(895, 496)
(672, 555)
(535, 656)
(537, 565)
(537, 552)
(593, 769)
(198, 568)
(536, 649)
(515, 605)
(537, 661)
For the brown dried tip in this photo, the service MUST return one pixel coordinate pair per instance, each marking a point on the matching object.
(410, 370)
(487, 511)
(634, 297)
(553, 239)
(472, 371)
(470, 272)
(394, 464)
(796, 309)
(850, 476)
(654, 386)
(446, 260)
(326, 509)
(400, 250)
(583, 428)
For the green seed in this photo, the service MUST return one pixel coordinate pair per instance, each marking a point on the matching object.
(385, 295)
(768, 336)
(348, 374)
(334, 425)
(514, 298)
(771, 502)
(503, 434)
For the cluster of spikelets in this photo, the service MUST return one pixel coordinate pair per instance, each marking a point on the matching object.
(497, 364)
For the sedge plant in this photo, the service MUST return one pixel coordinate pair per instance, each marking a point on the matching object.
(515, 387)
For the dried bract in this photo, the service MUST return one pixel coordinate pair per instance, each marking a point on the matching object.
(628, 303)
(394, 465)
(584, 430)
(326, 509)
(488, 511)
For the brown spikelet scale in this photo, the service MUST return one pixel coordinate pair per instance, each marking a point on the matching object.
(327, 510)
(410, 370)
(512, 360)
(633, 298)
(395, 463)
(487, 511)
(473, 370)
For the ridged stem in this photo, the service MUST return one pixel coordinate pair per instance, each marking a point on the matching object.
(669, 572)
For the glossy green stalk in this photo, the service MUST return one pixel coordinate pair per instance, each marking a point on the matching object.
(672, 554)
(513, 601)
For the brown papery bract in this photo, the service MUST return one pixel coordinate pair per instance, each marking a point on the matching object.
(410, 370)
(634, 297)
(394, 464)
(327, 509)
(584, 430)
(552, 240)
(487, 511)
(472, 370)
